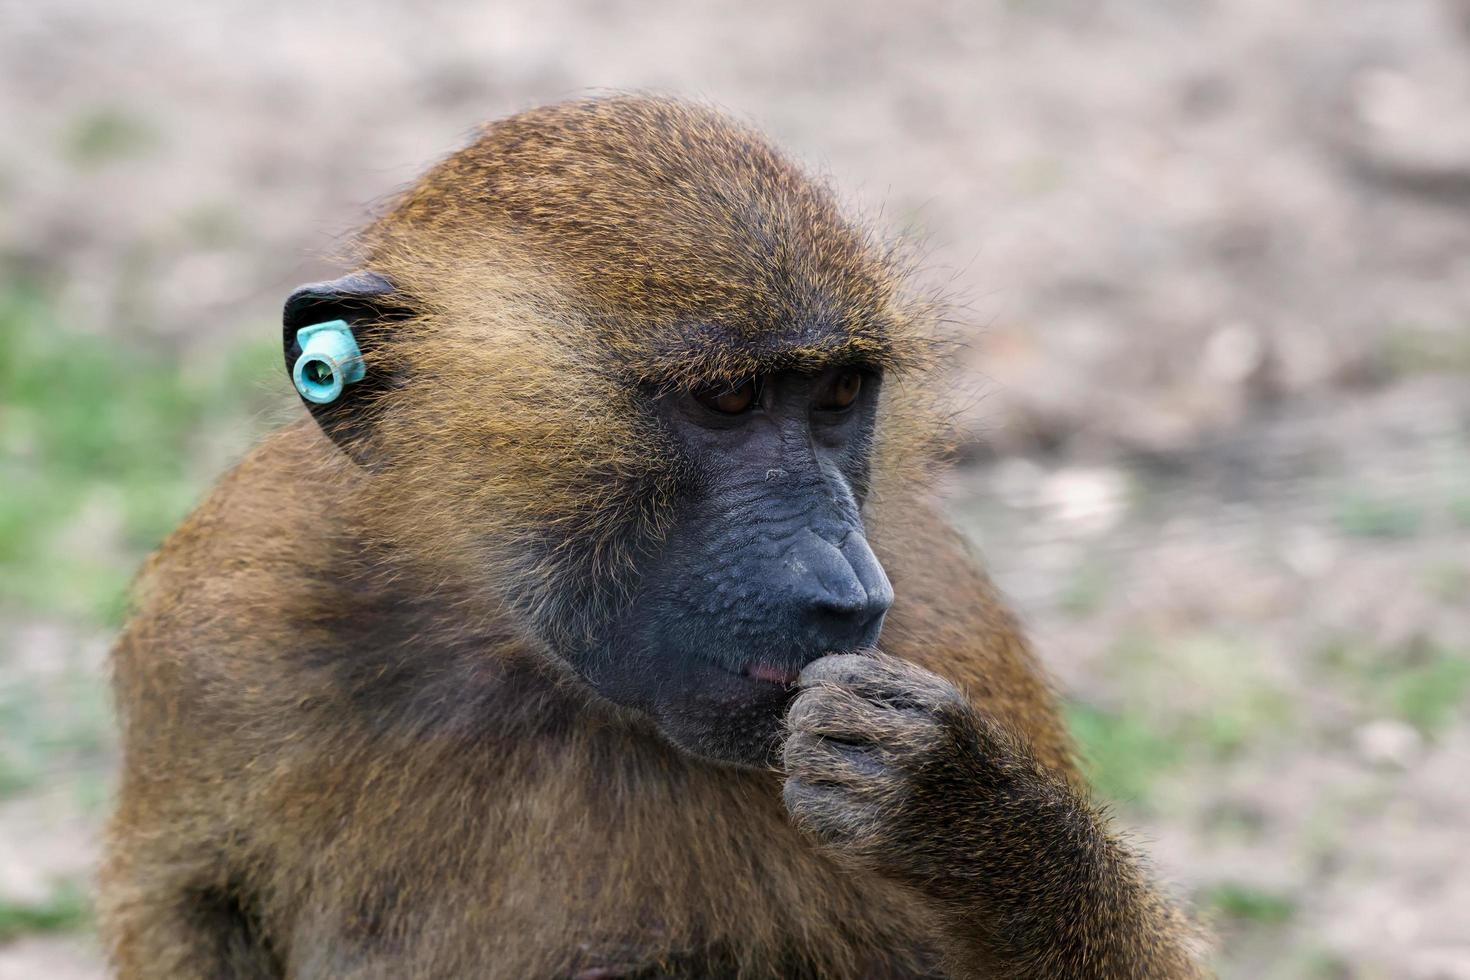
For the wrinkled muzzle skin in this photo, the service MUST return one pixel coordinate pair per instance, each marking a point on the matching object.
(766, 567)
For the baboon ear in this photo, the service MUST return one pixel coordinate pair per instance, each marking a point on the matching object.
(327, 329)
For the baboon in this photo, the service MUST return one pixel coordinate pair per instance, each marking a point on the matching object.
(606, 627)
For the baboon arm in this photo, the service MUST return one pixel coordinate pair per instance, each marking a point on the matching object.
(1086, 909)
(894, 771)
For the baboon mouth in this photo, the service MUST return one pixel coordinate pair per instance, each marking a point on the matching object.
(771, 673)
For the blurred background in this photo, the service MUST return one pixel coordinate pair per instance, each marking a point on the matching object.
(1214, 261)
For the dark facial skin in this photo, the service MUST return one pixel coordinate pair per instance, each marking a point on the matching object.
(766, 567)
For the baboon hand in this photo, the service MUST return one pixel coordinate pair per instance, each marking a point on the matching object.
(890, 769)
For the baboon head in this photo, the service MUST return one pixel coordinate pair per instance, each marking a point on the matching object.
(632, 377)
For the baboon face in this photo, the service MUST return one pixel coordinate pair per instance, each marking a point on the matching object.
(766, 566)
(624, 373)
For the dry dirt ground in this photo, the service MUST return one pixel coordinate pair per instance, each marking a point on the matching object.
(1211, 258)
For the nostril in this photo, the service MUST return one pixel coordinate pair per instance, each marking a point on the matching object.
(846, 606)
(848, 618)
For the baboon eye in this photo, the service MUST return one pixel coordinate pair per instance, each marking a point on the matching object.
(841, 391)
(728, 401)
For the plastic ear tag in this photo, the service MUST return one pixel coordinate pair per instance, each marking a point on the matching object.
(329, 361)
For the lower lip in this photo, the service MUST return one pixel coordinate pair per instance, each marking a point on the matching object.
(767, 674)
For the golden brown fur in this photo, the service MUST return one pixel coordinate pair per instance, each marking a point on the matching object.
(346, 751)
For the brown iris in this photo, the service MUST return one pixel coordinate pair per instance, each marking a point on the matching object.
(841, 391)
(728, 401)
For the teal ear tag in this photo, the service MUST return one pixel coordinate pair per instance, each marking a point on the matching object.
(329, 361)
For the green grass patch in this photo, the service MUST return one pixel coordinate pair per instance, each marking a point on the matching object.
(1122, 752)
(1192, 700)
(105, 442)
(1424, 685)
(1242, 903)
(1428, 695)
(107, 133)
(1376, 517)
(65, 910)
